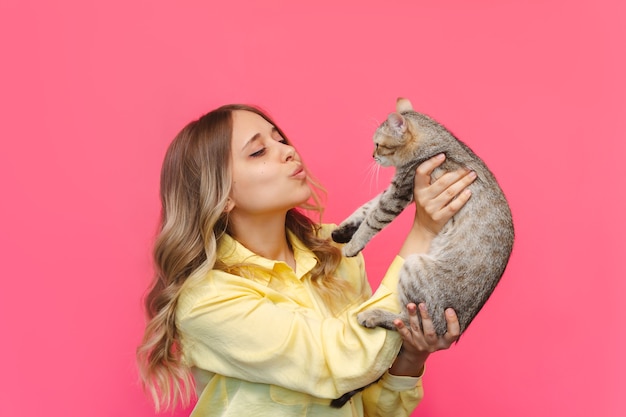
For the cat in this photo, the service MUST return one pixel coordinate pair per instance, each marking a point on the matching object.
(469, 255)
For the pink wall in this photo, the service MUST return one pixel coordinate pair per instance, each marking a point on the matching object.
(92, 93)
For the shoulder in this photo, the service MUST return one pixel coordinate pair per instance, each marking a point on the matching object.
(325, 230)
(351, 268)
(213, 287)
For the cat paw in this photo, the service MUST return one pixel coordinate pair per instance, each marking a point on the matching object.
(350, 250)
(368, 319)
(344, 233)
(377, 318)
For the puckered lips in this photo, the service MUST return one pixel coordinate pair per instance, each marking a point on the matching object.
(299, 172)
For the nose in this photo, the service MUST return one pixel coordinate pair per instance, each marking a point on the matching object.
(289, 153)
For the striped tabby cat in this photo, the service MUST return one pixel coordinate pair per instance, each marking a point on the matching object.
(468, 257)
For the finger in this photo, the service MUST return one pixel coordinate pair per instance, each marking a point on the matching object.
(453, 329)
(422, 174)
(452, 183)
(403, 331)
(453, 198)
(427, 324)
(414, 321)
(455, 205)
(445, 188)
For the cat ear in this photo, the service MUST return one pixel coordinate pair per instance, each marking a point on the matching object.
(403, 104)
(397, 122)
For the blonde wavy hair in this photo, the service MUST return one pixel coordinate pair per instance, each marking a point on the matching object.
(195, 185)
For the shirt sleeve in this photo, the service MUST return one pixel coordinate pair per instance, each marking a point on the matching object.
(392, 396)
(235, 327)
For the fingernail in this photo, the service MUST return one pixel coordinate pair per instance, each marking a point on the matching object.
(449, 312)
(441, 156)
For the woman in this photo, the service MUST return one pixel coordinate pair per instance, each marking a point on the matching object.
(253, 306)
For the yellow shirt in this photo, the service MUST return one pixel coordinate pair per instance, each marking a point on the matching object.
(269, 346)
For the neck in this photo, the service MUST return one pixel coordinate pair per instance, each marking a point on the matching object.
(266, 237)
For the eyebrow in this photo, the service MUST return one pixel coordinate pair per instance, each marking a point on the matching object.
(251, 140)
(255, 138)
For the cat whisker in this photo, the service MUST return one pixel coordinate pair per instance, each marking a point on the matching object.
(373, 174)
(368, 173)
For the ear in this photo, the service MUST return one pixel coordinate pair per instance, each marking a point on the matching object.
(403, 105)
(397, 123)
(230, 204)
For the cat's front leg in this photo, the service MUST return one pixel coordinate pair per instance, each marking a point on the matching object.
(389, 204)
(361, 236)
(344, 232)
(379, 215)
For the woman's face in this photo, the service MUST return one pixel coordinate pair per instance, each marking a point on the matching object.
(268, 176)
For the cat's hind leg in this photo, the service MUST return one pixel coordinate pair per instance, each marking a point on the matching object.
(379, 318)
(423, 279)
(417, 283)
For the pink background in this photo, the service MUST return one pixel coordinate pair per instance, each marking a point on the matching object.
(93, 92)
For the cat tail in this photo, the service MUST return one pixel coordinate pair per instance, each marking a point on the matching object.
(341, 401)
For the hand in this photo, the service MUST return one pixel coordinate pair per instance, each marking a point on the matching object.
(436, 203)
(418, 342)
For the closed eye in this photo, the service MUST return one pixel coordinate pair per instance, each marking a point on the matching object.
(275, 135)
(258, 153)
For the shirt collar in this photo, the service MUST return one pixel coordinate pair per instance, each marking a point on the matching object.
(231, 252)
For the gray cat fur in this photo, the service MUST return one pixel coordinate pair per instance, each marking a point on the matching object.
(468, 257)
